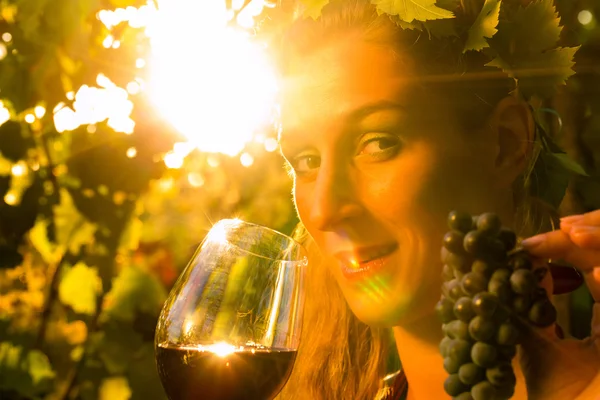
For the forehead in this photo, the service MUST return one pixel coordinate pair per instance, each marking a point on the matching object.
(339, 78)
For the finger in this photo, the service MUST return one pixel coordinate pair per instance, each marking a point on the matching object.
(585, 236)
(558, 245)
(590, 218)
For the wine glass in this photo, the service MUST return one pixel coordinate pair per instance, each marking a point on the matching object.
(230, 327)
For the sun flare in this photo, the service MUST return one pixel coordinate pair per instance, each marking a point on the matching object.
(209, 80)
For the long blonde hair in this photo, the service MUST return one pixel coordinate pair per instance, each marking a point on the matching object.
(339, 357)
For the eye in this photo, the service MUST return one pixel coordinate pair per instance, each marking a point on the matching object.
(306, 162)
(378, 146)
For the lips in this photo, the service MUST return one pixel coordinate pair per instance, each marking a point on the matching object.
(365, 261)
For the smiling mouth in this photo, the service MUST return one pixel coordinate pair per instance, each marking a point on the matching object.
(365, 262)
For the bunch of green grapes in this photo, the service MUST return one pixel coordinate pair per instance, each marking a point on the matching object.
(490, 289)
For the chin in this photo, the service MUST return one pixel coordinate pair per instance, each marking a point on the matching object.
(393, 310)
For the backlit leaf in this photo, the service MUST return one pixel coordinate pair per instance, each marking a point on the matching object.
(27, 372)
(134, 290)
(484, 26)
(114, 388)
(313, 7)
(410, 10)
(79, 288)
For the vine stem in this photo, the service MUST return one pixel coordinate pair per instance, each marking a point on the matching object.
(53, 293)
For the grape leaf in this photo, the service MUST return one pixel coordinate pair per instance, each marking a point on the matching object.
(441, 28)
(569, 164)
(415, 25)
(114, 388)
(27, 372)
(134, 290)
(313, 7)
(73, 231)
(484, 26)
(117, 346)
(79, 288)
(410, 10)
(541, 74)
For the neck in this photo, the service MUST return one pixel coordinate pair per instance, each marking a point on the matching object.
(422, 363)
(418, 347)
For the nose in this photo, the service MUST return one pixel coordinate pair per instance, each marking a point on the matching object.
(335, 200)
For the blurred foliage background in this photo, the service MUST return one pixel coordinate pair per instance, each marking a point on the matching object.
(103, 199)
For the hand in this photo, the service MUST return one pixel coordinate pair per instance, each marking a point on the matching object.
(566, 369)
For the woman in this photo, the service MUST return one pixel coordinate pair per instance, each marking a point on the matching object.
(384, 134)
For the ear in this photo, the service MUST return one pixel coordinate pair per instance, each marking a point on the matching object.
(513, 132)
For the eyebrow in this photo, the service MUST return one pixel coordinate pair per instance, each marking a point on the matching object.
(353, 117)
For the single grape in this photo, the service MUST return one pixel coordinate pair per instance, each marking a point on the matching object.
(502, 274)
(455, 290)
(489, 223)
(473, 283)
(445, 310)
(453, 386)
(453, 241)
(460, 350)
(507, 353)
(482, 329)
(484, 354)
(508, 238)
(457, 329)
(507, 334)
(542, 313)
(520, 260)
(475, 242)
(463, 309)
(463, 396)
(451, 365)
(501, 290)
(471, 373)
(501, 375)
(482, 267)
(443, 254)
(523, 281)
(447, 272)
(521, 304)
(460, 221)
(485, 304)
(444, 346)
(483, 391)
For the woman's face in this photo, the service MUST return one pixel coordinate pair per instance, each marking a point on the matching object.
(377, 165)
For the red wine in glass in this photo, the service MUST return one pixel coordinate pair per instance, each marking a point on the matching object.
(230, 328)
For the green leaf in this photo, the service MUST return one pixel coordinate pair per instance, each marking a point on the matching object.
(415, 25)
(79, 288)
(441, 28)
(569, 164)
(313, 7)
(134, 290)
(536, 27)
(27, 372)
(541, 74)
(39, 367)
(410, 10)
(114, 388)
(548, 180)
(118, 346)
(484, 26)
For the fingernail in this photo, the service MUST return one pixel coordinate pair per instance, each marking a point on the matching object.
(565, 279)
(533, 241)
